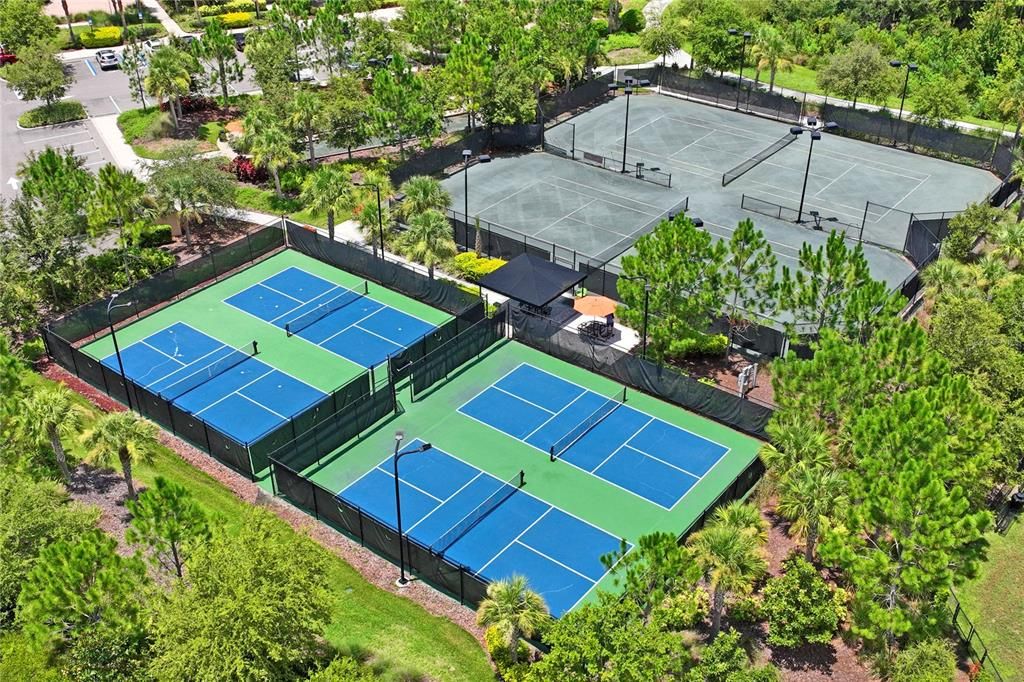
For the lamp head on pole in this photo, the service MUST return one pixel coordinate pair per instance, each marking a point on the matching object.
(796, 130)
(466, 153)
(831, 125)
(815, 134)
(732, 31)
(483, 158)
(747, 36)
(895, 63)
(399, 436)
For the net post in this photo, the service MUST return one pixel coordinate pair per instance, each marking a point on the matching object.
(522, 478)
(255, 347)
(551, 453)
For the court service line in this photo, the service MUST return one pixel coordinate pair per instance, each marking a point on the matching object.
(551, 559)
(659, 459)
(262, 283)
(519, 397)
(516, 539)
(345, 329)
(835, 179)
(506, 198)
(335, 285)
(547, 178)
(568, 215)
(258, 403)
(186, 365)
(548, 420)
(623, 444)
(903, 199)
(146, 343)
(225, 397)
(383, 338)
(479, 473)
(697, 142)
(414, 487)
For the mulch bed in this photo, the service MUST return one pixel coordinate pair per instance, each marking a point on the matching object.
(107, 491)
(725, 372)
(210, 235)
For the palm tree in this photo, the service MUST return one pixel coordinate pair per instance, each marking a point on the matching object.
(50, 416)
(168, 78)
(303, 112)
(515, 609)
(989, 272)
(743, 516)
(364, 205)
(795, 439)
(272, 147)
(771, 52)
(1010, 242)
(124, 437)
(808, 495)
(944, 276)
(731, 560)
(120, 199)
(327, 189)
(422, 193)
(429, 240)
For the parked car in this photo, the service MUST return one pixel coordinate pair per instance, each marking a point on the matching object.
(240, 41)
(107, 59)
(301, 76)
(6, 57)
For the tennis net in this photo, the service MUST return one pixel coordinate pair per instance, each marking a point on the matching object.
(470, 520)
(777, 146)
(222, 364)
(321, 311)
(584, 427)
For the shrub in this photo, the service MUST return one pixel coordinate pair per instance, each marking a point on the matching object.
(105, 272)
(929, 661)
(601, 26)
(632, 21)
(32, 350)
(966, 228)
(682, 611)
(620, 41)
(155, 235)
(228, 7)
(720, 660)
(193, 103)
(471, 267)
(801, 607)
(48, 115)
(102, 36)
(245, 170)
(745, 610)
(235, 19)
(140, 126)
(498, 650)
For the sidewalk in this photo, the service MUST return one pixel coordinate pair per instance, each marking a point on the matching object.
(124, 156)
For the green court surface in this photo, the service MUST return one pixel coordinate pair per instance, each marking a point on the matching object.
(207, 312)
(442, 418)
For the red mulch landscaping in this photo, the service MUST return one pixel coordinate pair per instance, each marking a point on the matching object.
(725, 372)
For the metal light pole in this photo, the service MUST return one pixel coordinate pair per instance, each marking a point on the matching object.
(380, 216)
(117, 349)
(647, 302)
(627, 89)
(467, 155)
(897, 64)
(743, 58)
(815, 130)
(399, 435)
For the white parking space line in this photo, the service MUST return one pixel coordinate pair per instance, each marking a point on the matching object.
(57, 137)
(114, 103)
(88, 64)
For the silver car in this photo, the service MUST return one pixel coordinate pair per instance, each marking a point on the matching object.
(107, 59)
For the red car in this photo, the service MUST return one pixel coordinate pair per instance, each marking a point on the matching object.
(7, 57)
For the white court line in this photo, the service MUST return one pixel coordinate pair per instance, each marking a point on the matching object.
(533, 549)
(94, 163)
(659, 459)
(519, 397)
(400, 480)
(780, 245)
(147, 343)
(383, 338)
(547, 180)
(568, 215)
(272, 321)
(261, 283)
(882, 217)
(555, 414)
(835, 179)
(483, 568)
(623, 444)
(465, 485)
(367, 295)
(342, 331)
(507, 197)
(256, 402)
(697, 142)
(225, 397)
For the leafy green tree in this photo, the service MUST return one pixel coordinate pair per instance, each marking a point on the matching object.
(328, 189)
(400, 106)
(713, 47)
(34, 514)
(731, 559)
(938, 98)
(23, 659)
(801, 607)
(80, 586)
(330, 32)
(168, 523)
(468, 72)
(120, 200)
(20, 298)
(771, 52)
(515, 609)
(662, 38)
(49, 240)
(721, 660)
(568, 39)
(656, 569)
(217, 48)
(967, 227)
(909, 532)
(1008, 301)
(23, 24)
(106, 655)
(512, 95)
(859, 71)
(271, 147)
(432, 24)
(304, 118)
(375, 43)
(269, 54)
(422, 193)
(169, 78)
(749, 278)
(745, 517)
(51, 416)
(187, 184)
(344, 115)
(1009, 241)
(38, 74)
(429, 240)
(252, 607)
(607, 641)
(683, 266)
(832, 288)
(58, 180)
(133, 65)
(931, 660)
(122, 436)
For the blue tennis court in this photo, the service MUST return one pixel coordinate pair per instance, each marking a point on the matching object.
(628, 448)
(347, 322)
(227, 387)
(442, 498)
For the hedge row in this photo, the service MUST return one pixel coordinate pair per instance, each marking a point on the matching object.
(228, 7)
(234, 19)
(103, 36)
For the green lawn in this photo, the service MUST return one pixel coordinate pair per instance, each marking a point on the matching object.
(399, 636)
(992, 601)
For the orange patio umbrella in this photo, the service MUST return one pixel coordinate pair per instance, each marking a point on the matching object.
(598, 306)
